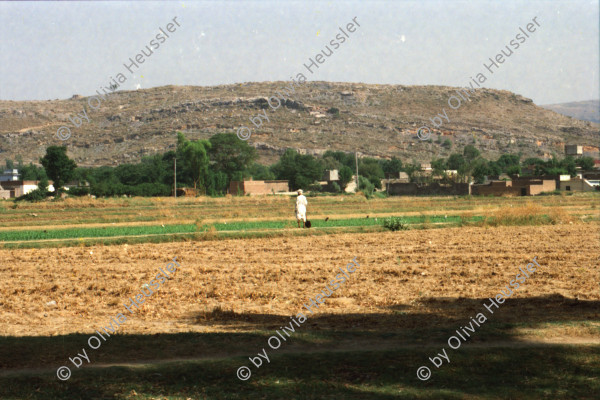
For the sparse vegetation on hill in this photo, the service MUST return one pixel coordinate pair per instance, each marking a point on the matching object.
(375, 120)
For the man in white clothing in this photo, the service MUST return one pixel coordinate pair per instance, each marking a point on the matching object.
(301, 204)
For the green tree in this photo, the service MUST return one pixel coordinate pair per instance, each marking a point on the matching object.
(366, 186)
(513, 170)
(585, 163)
(196, 157)
(470, 153)
(568, 163)
(346, 159)
(345, 174)
(495, 169)
(59, 167)
(130, 174)
(555, 171)
(392, 166)
(330, 163)
(371, 169)
(456, 161)
(532, 161)
(411, 169)
(261, 172)
(228, 154)
(438, 166)
(507, 160)
(480, 169)
(31, 172)
(43, 185)
(217, 183)
(447, 144)
(193, 161)
(9, 164)
(300, 170)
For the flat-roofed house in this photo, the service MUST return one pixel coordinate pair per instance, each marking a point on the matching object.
(258, 187)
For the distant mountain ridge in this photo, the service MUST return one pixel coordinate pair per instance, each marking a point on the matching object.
(583, 110)
(374, 120)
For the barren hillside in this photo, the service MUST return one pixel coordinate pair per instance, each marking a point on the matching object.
(375, 120)
(583, 110)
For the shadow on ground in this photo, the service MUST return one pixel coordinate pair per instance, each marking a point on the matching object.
(356, 356)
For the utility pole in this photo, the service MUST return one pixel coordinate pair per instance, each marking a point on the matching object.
(356, 162)
(175, 170)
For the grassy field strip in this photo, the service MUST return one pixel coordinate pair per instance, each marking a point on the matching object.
(227, 231)
(8, 236)
(42, 224)
(148, 221)
(271, 229)
(107, 224)
(111, 231)
(161, 237)
(139, 210)
(93, 232)
(206, 235)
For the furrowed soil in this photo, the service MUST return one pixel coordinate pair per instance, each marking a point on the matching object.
(407, 281)
(413, 290)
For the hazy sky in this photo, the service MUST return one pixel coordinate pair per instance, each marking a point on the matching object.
(52, 50)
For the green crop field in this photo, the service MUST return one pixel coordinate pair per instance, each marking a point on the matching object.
(141, 220)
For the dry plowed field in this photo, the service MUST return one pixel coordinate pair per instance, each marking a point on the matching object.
(421, 272)
(412, 291)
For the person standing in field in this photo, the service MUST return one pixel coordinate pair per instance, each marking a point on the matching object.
(301, 204)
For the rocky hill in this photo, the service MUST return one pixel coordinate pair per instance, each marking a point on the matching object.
(583, 110)
(375, 120)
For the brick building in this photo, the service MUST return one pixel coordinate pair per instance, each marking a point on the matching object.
(258, 187)
(517, 187)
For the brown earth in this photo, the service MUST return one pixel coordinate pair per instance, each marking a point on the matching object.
(375, 120)
(245, 285)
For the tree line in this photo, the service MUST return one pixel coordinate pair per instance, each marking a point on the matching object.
(210, 165)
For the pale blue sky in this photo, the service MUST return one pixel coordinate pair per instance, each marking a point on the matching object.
(52, 50)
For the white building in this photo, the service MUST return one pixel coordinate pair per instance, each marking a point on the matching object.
(11, 186)
(9, 175)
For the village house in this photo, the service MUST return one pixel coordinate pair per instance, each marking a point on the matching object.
(251, 187)
(11, 186)
(518, 186)
(577, 184)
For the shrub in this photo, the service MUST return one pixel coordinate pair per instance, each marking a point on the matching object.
(426, 222)
(552, 193)
(148, 189)
(465, 219)
(79, 191)
(38, 194)
(366, 186)
(395, 224)
(34, 195)
(336, 188)
(334, 111)
(345, 175)
(314, 187)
